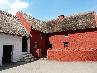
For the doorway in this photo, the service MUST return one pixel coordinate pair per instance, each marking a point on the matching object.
(7, 54)
(24, 44)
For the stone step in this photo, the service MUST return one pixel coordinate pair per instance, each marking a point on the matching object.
(27, 57)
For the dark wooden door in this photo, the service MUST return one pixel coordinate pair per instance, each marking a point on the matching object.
(24, 44)
(7, 50)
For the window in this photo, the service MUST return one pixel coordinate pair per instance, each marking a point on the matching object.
(36, 45)
(66, 34)
(41, 36)
(65, 44)
(49, 45)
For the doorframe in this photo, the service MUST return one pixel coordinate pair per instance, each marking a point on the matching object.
(24, 41)
(11, 52)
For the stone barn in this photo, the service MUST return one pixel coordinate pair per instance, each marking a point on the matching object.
(11, 38)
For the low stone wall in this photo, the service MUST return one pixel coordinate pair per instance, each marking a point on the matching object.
(70, 55)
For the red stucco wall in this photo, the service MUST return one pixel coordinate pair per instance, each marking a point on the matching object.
(36, 37)
(42, 44)
(23, 21)
(82, 46)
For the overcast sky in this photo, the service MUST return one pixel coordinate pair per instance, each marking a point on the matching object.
(48, 9)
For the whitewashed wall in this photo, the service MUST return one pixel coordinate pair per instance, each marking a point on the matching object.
(16, 41)
(28, 42)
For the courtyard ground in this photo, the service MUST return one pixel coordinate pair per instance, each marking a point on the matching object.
(45, 66)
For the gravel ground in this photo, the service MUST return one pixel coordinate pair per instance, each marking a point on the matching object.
(11, 65)
(45, 66)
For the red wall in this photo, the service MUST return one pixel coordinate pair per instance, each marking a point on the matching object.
(36, 36)
(23, 21)
(82, 46)
(42, 44)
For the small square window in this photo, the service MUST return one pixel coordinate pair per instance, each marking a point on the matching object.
(36, 45)
(49, 45)
(41, 36)
(66, 35)
(65, 44)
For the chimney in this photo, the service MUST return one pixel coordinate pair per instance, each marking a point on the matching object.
(61, 17)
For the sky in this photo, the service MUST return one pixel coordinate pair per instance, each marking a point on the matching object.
(48, 9)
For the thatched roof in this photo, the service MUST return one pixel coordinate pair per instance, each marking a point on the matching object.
(10, 24)
(34, 23)
(75, 22)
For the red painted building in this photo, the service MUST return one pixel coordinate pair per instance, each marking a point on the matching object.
(38, 44)
(38, 39)
(72, 38)
(77, 46)
(76, 40)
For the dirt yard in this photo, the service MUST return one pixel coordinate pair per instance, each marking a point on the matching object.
(45, 66)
